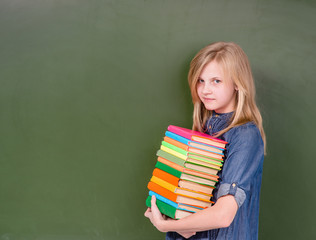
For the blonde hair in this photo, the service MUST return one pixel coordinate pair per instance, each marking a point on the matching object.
(236, 67)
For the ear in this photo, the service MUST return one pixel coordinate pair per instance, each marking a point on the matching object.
(236, 88)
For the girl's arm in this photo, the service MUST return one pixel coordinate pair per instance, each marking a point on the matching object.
(220, 215)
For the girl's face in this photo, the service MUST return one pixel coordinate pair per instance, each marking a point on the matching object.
(215, 91)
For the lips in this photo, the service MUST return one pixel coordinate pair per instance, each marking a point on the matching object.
(209, 99)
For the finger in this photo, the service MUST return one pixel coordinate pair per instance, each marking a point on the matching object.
(148, 211)
(153, 200)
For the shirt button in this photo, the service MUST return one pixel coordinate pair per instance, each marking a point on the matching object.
(216, 115)
(234, 185)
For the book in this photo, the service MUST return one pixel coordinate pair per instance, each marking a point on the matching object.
(183, 154)
(197, 136)
(196, 186)
(194, 144)
(170, 157)
(195, 150)
(181, 191)
(199, 161)
(180, 206)
(176, 197)
(186, 171)
(168, 210)
(190, 171)
(186, 176)
(201, 168)
(182, 183)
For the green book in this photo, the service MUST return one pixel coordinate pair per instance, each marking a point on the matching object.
(185, 176)
(181, 153)
(168, 169)
(170, 157)
(167, 209)
(173, 147)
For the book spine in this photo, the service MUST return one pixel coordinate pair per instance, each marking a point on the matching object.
(163, 183)
(173, 152)
(184, 207)
(164, 208)
(170, 157)
(166, 176)
(188, 142)
(162, 191)
(170, 164)
(174, 148)
(179, 131)
(168, 169)
(177, 137)
(163, 199)
(176, 143)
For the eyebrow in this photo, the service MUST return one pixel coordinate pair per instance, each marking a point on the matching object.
(211, 78)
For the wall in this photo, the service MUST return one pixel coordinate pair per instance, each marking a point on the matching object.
(89, 87)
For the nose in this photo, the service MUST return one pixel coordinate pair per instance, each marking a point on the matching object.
(207, 88)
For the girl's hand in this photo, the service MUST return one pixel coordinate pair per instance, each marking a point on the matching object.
(156, 217)
(160, 221)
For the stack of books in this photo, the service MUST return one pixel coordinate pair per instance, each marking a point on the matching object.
(186, 172)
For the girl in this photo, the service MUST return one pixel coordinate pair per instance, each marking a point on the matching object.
(223, 95)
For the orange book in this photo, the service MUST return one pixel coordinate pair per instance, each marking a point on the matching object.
(166, 176)
(182, 183)
(177, 198)
(188, 171)
(181, 191)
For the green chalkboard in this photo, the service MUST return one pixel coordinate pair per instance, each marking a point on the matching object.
(87, 89)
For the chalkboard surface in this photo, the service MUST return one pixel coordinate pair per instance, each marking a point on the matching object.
(87, 89)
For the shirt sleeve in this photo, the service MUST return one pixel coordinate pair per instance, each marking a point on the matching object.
(243, 161)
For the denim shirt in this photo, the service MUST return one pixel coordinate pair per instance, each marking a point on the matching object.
(240, 177)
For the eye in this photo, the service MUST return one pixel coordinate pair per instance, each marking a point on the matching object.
(200, 80)
(217, 81)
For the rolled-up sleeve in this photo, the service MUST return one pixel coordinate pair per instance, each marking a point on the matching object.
(244, 159)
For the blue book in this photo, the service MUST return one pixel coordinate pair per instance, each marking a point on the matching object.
(194, 144)
(180, 206)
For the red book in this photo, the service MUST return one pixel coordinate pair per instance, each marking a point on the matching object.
(197, 136)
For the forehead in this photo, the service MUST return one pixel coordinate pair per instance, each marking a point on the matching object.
(211, 70)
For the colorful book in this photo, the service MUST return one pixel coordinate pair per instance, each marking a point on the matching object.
(194, 144)
(186, 171)
(182, 183)
(179, 161)
(183, 154)
(168, 210)
(176, 197)
(185, 150)
(208, 175)
(180, 206)
(185, 176)
(196, 186)
(193, 150)
(197, 136)
(181, 191)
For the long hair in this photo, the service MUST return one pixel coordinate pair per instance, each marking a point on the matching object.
(235, 66)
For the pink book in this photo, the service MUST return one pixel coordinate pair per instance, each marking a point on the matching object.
(197, 136)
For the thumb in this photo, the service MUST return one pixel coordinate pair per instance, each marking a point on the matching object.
(153, 200)
(154, 207)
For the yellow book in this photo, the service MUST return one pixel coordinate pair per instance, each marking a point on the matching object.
(182, 191)
(173, 152)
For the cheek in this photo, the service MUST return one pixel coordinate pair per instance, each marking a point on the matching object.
(199, 91)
